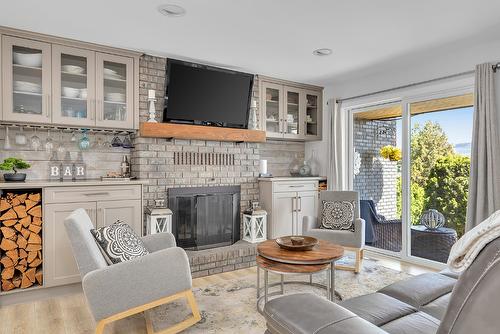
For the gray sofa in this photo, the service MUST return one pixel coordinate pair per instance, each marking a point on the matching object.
(433, 303)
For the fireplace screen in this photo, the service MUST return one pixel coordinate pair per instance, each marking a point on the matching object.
(205, 217)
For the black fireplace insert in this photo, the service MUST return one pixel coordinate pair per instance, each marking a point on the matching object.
(205, 217)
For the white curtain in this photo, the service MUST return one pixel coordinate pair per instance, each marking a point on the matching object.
(484, 181)
(337, 147)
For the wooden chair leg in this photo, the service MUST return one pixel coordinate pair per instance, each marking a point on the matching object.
(359, 259)
(192, 304)
(149, 324)
(188, 294)
(99, 329)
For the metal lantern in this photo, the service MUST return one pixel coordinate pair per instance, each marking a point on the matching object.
(255, 226)
(159, 220)
(432, 219)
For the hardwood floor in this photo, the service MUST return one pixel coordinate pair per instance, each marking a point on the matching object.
(68, 314)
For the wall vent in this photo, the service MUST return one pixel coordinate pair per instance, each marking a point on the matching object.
(201, 159)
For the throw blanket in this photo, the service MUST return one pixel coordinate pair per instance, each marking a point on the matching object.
(466, 249)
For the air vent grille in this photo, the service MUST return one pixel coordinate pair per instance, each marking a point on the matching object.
(198, 158)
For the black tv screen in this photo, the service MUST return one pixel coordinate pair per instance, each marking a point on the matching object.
(199, 94)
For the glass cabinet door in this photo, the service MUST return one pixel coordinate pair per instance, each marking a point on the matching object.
(73, 86)
(114, 91)
(26, 68)
(292, 126)
(313, 115)
(273, 106)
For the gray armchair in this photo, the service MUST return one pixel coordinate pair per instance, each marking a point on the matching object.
(120, 290)
(353, 241)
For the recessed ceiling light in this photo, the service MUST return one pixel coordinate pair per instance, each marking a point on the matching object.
(322, 52)
(172, 10)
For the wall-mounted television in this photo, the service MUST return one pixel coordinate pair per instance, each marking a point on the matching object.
(205, 95)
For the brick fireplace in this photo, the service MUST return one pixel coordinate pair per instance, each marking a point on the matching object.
(179, 163)
(176, 163)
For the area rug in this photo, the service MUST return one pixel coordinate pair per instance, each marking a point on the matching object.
(230, 307)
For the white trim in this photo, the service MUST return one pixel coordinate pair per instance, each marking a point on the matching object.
(449, 87)
(414, 93)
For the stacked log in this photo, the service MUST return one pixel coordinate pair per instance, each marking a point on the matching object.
(20, 240)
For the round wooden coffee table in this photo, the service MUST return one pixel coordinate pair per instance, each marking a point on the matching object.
(272, 258)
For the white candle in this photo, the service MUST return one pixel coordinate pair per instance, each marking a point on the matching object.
(263, 166)
(151, 94)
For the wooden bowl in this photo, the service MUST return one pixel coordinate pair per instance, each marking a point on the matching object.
(308, 243)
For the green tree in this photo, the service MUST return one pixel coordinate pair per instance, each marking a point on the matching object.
(428, 144)
(447, 189)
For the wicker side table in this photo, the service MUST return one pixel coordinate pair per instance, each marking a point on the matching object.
(432, 244)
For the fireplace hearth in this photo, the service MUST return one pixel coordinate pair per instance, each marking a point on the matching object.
(205, 217)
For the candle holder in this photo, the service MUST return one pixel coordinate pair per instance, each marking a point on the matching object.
(152, 109)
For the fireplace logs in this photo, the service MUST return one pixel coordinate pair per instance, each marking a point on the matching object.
(20, 240)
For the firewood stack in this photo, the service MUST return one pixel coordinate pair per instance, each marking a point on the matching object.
(20, 240)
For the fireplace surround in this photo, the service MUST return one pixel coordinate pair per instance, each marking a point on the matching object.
(205, 217)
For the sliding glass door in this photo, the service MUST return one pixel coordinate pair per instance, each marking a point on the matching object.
(410, 165)
(377, 168)
(440, 147)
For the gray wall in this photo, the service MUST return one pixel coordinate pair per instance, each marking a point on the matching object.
(99, 160)
(153, 158)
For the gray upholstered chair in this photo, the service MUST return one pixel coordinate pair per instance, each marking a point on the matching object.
(117, 291)
(353, 241)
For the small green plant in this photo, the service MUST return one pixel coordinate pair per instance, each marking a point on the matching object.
(14, 164)
(391, 152)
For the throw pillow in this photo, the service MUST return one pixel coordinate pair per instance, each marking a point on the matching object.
(119, 243)
(338, 215)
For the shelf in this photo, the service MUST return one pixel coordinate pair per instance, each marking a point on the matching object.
(73, 98)
(272, 101)
(27, 67)
(27, 93)
(119, 103)
(272, 121)
(80, 75)
(199, 132)
(116, 80)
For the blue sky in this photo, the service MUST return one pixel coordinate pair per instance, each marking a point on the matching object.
(457, 124)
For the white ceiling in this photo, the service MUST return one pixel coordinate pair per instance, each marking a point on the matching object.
(274, 38)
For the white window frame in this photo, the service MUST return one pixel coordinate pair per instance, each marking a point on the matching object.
(439, 89)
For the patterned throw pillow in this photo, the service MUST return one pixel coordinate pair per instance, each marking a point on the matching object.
(119, 243)
(338, 215)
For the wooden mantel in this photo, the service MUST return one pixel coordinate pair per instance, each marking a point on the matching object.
(199, 132)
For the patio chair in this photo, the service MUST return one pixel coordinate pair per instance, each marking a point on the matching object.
(380, 232)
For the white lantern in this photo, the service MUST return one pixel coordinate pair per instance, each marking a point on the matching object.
(159, 220)
(255, 226)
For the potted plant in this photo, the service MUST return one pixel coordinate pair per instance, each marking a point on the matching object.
(391, 152)
(14, 164)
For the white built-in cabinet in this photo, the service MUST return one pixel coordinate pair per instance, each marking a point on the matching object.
(287, 201)
(26, 93)
(104, 205)
(291, 111)
(60, 82)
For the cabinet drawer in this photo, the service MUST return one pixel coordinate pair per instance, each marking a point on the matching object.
(94, 193)
(296, 186)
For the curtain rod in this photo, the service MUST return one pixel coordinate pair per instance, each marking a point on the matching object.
(412, 84)
(496, 67)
